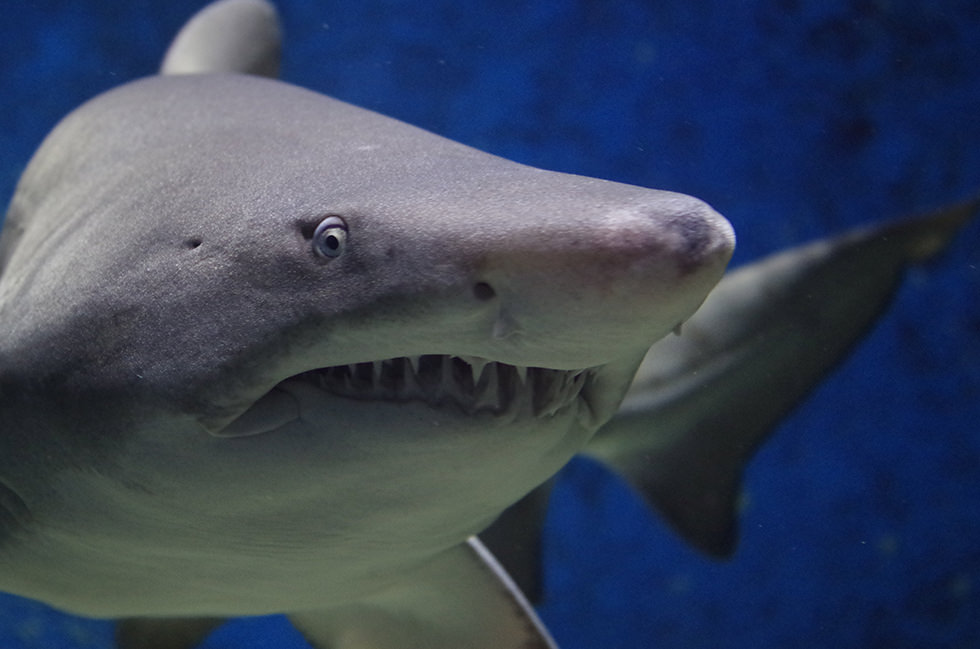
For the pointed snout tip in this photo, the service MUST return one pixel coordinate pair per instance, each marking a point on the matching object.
(700, 237)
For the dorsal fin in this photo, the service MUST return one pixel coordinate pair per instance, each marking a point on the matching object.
(228, 36)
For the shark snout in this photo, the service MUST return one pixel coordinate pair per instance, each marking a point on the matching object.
(699, 239)
(607, 283)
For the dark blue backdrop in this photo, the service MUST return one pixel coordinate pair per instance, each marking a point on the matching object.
(794, 118)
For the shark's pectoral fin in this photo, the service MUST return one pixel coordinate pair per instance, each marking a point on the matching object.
(463, 598)
(703, 401)
(515, 540)
(228, 36)
(164, 633)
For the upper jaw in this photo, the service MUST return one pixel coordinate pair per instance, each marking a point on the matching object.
(469, 383)
(460, 386)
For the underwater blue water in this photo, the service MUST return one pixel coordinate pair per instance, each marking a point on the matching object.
(795, 119)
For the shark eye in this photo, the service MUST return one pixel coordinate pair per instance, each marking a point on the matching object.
(330, 237)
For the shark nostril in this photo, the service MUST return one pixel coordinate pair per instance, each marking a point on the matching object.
(483, 292)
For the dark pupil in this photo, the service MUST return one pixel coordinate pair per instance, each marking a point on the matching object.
(332, 242)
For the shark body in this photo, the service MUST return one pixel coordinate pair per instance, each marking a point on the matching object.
(498, 323)
(277, 350)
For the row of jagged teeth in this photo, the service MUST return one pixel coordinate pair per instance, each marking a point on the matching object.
(472, 383)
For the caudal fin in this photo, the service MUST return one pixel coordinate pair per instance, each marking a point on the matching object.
(704, 401)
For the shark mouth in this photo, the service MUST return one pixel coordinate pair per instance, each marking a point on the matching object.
(472, 384)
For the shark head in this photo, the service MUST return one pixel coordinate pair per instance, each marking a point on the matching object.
(304, 325)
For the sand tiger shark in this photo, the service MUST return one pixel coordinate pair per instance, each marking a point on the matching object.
(267, 352)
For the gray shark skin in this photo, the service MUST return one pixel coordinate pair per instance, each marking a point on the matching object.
(284, 353)
(175, 282)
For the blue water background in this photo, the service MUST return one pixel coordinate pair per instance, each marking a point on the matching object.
(795, 119)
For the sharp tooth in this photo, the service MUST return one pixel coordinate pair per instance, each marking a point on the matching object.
(547, 386)
(410, 388)
(521, 373)
(464, 381)
(487, 394)
(414, 362)
(476, 366)
(376, 375)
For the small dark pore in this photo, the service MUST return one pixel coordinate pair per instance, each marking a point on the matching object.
(483, 292)
(697, 236)
(307, 229)
(192, 243)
